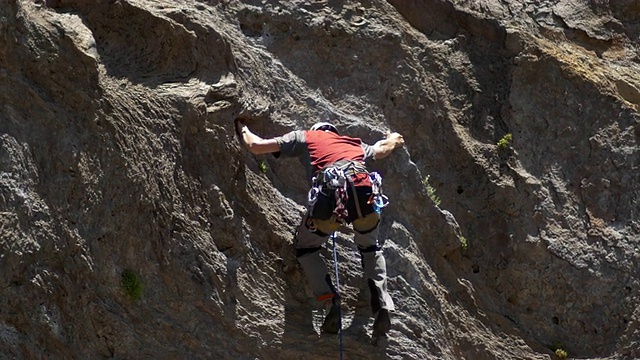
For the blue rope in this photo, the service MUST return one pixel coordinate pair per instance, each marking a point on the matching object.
(335, 263)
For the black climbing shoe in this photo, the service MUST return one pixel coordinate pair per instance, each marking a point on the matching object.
(382, 324)
(332, 321)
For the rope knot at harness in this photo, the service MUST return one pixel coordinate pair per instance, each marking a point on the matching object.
(336, 179)
(342, 198)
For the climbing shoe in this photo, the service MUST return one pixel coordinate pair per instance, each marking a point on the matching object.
(332, 321)
(382, 324)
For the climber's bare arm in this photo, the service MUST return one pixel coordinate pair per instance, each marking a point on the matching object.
(255, 143)
(385, 146)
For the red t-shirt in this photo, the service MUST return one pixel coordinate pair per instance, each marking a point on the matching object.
(320, 149)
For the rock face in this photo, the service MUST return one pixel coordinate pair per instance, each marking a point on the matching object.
(134, 225)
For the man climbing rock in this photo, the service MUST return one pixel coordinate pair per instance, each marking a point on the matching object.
(342, 191)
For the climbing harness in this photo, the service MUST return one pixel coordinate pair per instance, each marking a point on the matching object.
(335, 264)
(335, 179)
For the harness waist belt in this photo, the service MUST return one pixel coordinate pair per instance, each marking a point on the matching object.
(348, 167)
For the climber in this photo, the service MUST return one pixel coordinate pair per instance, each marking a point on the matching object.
(342, 192)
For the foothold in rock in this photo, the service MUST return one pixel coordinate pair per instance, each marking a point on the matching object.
(513, 42)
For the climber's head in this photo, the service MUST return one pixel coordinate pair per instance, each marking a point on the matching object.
(324, 126)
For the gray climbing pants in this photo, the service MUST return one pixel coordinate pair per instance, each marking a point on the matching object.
(308, 244)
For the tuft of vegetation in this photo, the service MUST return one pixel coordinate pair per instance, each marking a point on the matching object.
(562, 354)
(463, 242)
(131, 284)
(431, 191)
(505, 141)
(263, 167)
(557, 348)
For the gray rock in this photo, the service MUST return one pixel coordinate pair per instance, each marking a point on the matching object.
(134, 225)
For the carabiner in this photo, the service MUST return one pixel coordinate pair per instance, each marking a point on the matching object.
(381, 201)
(312, 196)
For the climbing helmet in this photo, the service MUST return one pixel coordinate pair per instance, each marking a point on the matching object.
(325, 126)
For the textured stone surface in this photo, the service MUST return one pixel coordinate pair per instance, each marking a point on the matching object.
(117, 152)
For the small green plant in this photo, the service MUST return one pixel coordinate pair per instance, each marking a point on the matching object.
(131, 284)
(562, 354)
(557, 348)
(463, 242)
(505, 141)
(263, 167)
(431, 191)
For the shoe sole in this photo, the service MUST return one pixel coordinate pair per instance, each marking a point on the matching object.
(331, 323)
(382, 325)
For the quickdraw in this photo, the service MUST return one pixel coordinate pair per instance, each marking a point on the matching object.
(378, 199)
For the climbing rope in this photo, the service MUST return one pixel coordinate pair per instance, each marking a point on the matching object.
(335, 263)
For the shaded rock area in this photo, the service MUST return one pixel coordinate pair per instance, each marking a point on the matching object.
(134, 225)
